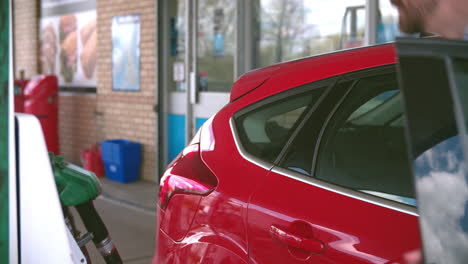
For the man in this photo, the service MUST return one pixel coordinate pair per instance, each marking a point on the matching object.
(447, 18)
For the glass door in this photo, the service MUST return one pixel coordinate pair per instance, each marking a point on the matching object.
(215, 55)
(197, 57)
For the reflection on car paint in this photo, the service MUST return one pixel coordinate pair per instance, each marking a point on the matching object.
(347, 243)
(392, 197)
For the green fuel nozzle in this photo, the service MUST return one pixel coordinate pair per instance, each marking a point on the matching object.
(78, 187)
(75, 185)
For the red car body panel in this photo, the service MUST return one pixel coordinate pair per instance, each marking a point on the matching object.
(178, 216)
(295, 73)
(252, 80)
(234, 223)
(352, 230)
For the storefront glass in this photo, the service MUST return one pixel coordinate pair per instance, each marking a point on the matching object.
(291, 29)
(177, 45)
(387, 27)
(279, 30)
(216, 44)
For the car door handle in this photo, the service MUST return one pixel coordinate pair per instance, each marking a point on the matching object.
(282, 235)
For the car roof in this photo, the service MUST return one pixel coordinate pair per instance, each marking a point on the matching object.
(298, 72)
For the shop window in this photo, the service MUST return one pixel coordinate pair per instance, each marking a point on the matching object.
(291, 29)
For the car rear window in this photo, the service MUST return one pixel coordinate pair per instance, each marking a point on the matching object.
(263, 132)
(362, 143)
(364, 147)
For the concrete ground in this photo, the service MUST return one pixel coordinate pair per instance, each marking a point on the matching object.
(128, 210)
(141, 194)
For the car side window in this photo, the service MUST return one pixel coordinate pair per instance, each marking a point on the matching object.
(300, 153)
(363, 145)
(263, 131)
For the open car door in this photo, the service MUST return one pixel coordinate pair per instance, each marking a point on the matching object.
(433, 76)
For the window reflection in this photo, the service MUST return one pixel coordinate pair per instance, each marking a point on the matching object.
(290, 29)
(387, 22)
(440, 179)
(278, 30)
(216, 44)
(177, 45)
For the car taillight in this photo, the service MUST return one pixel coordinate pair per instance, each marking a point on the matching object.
(186, 175)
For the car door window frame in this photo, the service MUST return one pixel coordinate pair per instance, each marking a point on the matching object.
(390, 176)
(426, 141)
(325, 84)
(352, 77)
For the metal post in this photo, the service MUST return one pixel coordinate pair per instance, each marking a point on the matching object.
(372, 8)
(188, 66)
(161, 28)
(13, 234)
(239, 52)
(354, 24)
(194, 76)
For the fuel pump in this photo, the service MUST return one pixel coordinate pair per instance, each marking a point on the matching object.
(349, 27)
(78, 188)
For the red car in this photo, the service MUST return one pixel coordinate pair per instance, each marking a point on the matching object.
(307, 163)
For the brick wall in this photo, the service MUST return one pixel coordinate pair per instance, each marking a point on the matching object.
(78, 127)
(26, 24)
(128, 115)
(87, 119)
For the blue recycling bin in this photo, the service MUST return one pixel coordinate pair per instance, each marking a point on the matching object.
(122, 160)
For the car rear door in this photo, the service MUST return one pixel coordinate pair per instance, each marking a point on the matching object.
(340, 191)
(434, 80)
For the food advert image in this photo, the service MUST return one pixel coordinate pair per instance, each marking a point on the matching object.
(68, 46)
(48, 48)
(88, 35)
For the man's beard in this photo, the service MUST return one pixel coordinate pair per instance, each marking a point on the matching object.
(413, 20)
(411, 23)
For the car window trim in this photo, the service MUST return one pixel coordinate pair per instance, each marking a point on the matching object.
(326, 84)
(442, 52)
(362, 196)
(460, 117)
(445, 50)
(355, 77)
(433, 48)
(306, 116)
(332, 114)
(325, 125)
(352, 76)
(247, 156)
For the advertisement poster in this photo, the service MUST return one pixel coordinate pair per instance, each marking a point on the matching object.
(126, 53)
(68, 37)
